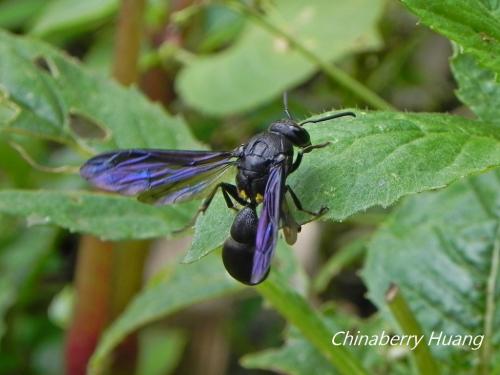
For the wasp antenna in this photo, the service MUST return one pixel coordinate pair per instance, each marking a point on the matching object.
(326, 118)
(285, 105)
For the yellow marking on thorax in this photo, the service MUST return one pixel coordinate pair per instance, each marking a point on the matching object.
(259, 198)
(243, 194)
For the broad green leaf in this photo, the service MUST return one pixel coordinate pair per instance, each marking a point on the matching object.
(8, 110)
(160, 350)
(16, 14)
(99, 57)
(373, 160)
(222, 25)
(477, 87)
(210, 233)
(110, 217)
(342, 258)
(442, 249)
(63, 18)
(18, 259)
(261, 65)
(170, 292)
(187, 285)
(297, 357)
(52, 89)
(309, 322)
(474, 24)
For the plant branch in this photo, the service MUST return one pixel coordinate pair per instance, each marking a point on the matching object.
(128, 41)
(486, 351)
(400, 310)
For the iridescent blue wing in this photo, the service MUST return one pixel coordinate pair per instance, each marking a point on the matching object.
(268, 226)
(162, 176)
(204, 179)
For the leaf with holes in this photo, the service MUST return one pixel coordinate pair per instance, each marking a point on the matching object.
(54, 96)
(372, 160)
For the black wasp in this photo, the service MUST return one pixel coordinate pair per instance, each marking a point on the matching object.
(263, 164)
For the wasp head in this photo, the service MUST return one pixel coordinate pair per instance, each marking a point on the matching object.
(292, 131)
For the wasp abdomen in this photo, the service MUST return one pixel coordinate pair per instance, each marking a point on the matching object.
(238, 250)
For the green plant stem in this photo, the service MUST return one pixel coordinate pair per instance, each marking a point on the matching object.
(486, 350)
(341, 259)
(329, 69)
(128, 41)
(298, 312)
(424, 360)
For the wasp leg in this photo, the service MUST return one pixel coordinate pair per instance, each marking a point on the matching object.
(303, 151)
(228, 191)
(309, 148)
(298, 204)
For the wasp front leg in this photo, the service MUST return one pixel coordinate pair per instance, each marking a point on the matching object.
(303, 151)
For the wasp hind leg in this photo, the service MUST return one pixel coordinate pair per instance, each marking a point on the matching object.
(298, 204)
(228, 191)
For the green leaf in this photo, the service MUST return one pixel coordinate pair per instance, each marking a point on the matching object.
(107, 216)
(442, 249)
(342, 258)
(260, 65)
(477, 87)
(16, 14)
(8, 110)
(18, 260)
(373, 160)
(64, 18)
(208, 236)
(297, 311)
(168, 293)
(473, 24)
(297, 357)
(160, 350)
(52, 91)
(222, 25)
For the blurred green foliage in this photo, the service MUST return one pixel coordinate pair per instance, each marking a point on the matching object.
(216, 71)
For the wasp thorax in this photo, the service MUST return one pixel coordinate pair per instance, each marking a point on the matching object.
(293, 131)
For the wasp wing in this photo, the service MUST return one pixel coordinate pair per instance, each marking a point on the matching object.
(290, 226)
(162, 176)
(268, 225)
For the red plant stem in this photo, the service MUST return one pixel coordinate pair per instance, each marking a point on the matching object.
(92, 303)
(108, 275)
